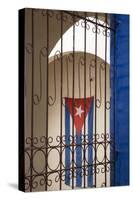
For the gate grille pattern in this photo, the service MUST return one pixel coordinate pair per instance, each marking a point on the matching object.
(46, 144)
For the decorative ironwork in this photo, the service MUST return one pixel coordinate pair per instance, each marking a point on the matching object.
(53, 147)
(46, 145)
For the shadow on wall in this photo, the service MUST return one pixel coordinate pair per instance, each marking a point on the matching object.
(13, 185)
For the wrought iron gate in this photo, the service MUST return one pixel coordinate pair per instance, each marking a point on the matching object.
(83, 75)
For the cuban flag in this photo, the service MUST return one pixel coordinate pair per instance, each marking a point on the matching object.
(83, 108)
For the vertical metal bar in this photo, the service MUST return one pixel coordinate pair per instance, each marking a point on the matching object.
(96, 16)
(84, 98)
(112, 134)
(90, 78)
(61, 13)
(105, 88)
(32, 103)
(73, 101)
(46, 177)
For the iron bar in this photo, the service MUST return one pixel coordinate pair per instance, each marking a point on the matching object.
(32, 102)
(64, 169)
(64, 145)
(105, 88)
(84, 96)
(96, 16)
(61, 98)
(73, 85)
(46, 178)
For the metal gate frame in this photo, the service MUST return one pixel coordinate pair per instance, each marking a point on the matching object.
(30, 181)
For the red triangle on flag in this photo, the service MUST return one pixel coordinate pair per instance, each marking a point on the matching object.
(79, 111)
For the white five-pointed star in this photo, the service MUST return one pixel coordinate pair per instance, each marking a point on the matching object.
(79, 111)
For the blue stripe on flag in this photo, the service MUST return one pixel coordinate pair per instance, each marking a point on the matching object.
(67, 149)
(78, 160)
(90, 148)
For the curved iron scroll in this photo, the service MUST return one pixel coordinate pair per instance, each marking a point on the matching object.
(80, 63)
(37, 97)
(52, 99)
(69, 59)
(99, 100)
(53, 145)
